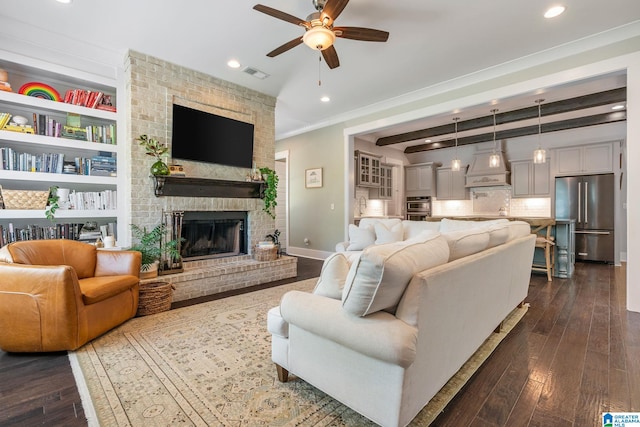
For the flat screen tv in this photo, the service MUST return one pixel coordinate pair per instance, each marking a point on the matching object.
(209, 138)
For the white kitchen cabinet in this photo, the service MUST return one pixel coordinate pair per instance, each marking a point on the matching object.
(385, 191)
(28, 151)
(367, 169)
(450, 185)
(585, 159)
(529, 179)
(419, 179)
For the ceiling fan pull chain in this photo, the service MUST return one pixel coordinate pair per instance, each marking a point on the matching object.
(319, 69)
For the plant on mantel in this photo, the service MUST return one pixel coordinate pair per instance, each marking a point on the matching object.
(154, 148)
(271, 190)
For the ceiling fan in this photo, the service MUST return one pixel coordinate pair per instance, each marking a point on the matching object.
(319, 30)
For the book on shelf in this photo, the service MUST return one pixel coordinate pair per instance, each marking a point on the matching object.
(84, 98)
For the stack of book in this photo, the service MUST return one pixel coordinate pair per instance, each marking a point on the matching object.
(103, 165)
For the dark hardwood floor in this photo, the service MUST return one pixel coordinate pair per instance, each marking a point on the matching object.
(575, 355)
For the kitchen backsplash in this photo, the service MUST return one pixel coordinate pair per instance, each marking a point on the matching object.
(489, 200)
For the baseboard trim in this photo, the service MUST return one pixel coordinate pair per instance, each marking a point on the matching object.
(307, 253)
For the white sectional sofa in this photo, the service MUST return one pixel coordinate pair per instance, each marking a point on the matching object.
(387, 325)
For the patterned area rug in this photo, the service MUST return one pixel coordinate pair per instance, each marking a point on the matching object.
(210, 365)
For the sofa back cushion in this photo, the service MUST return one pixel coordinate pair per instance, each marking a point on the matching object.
(447, 225)
(498, 234)
(518, 229)
(377, 280)
(413, 228)
(466, 242)
(80, 256)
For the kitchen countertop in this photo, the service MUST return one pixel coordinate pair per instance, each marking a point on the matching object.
(530, 220)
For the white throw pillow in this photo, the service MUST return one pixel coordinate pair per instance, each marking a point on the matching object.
(332, 276)
(466, 242)
(360, 237)
(377, 280)
(385, 234)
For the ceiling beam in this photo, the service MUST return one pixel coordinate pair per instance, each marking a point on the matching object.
(552, 108)
(579, 122)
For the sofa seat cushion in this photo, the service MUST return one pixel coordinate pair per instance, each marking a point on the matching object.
(379, 335)
(96, 289)
(466, 242)
(377, 280)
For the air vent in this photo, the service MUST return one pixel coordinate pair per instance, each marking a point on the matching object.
(255, 73)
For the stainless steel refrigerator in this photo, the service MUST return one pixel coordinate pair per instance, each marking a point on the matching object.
(589, 199)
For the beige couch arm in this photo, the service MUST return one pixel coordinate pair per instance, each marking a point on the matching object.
(39, 307)
(379, 335)
(118, 263)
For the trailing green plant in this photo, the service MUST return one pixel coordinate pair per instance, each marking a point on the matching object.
(149, 245)
(52, 204)
(270, 191)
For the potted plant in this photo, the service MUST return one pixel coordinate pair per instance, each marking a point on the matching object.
(154, 148)
(271, 190)
(149, 246)
(52, 204)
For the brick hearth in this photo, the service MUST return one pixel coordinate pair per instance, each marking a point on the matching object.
(212, 276)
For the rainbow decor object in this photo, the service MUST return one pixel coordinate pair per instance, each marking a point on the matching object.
(40, 90)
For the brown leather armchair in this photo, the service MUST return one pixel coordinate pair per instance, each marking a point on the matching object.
(59, 294)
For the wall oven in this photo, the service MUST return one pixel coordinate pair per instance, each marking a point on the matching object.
(418, 208)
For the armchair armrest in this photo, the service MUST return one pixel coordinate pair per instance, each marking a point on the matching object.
(118, 263)
(39, 307)
(379, 335)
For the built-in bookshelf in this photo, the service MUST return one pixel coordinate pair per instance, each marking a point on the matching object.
(71, 145)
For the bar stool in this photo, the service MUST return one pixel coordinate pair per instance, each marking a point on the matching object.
(545, 241)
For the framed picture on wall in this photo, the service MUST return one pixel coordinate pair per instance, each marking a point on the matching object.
(313, 178)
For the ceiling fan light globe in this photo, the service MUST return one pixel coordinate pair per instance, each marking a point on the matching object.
(319, 38)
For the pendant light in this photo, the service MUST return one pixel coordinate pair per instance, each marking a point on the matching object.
(455, 163)
(494, 159)
(539, 154)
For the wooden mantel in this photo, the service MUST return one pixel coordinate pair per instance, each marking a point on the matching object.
(204, 187)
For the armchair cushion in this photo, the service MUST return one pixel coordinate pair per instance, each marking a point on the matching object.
(96, 289)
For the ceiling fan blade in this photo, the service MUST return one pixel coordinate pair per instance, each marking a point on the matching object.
(285, 47)
(363, 34)
(279, 14)
(333, 8)
(331, 57)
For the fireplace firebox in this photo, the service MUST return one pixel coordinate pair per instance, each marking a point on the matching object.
(213, 234)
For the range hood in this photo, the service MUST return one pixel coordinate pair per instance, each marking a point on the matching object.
(481, 175)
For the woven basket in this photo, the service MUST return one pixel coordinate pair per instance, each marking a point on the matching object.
(24, 199)
(154, 297)
(265, 254)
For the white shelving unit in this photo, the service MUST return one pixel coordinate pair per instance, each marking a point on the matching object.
(22, 70)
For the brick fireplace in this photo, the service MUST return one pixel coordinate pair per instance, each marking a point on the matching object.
(154, 85)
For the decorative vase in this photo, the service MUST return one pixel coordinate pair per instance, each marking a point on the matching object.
(159, 168)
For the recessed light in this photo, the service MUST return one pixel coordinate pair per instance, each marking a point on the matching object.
(427, 140)
(618, 107)
(232, 63)
(554, 11)
(325, 99)
(64, 1)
